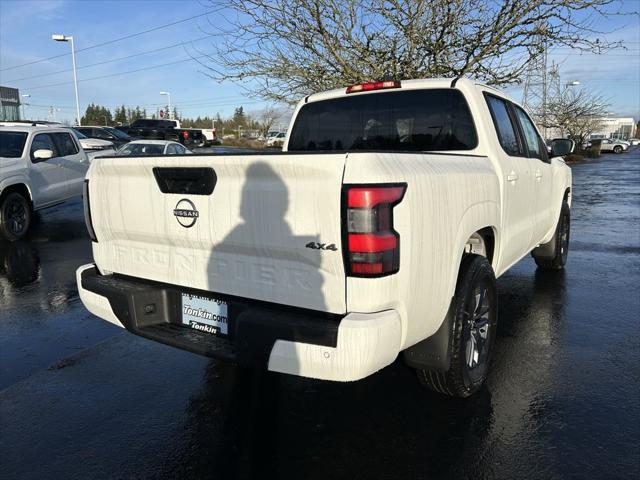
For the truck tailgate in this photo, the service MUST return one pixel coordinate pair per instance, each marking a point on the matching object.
(255, 236)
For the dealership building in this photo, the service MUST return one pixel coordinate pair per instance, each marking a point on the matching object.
(9, 104)
(610, 127)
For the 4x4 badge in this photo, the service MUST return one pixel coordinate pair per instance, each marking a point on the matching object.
(186, 213)
(322, 246)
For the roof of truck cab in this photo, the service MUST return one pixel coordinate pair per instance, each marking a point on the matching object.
(405, 85)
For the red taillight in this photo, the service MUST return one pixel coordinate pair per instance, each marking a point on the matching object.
(372, 242)
(368, 86)
(373, 247)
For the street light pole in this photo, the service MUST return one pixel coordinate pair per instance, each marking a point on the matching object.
(169, 113)
(75, 80)
(69, 38)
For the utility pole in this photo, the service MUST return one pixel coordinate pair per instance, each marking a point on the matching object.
(535, 95)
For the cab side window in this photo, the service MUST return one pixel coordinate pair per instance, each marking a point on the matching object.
(66, 145)
(171, 149)
(505, 127)
(535, 145)
(43, 141)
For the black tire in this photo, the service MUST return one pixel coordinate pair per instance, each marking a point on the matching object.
(475, 317)
(617, 149)
(15, 216)
(553, 255)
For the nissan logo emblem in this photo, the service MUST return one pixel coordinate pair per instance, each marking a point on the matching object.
(186, 213)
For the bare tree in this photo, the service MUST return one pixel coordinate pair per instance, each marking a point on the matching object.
(267, 117)
(290, 48)
(576, 113)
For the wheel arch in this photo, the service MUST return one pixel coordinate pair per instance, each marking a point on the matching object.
(481, 220)
(18, 187)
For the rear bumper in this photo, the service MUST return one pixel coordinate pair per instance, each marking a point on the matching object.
(282, 339)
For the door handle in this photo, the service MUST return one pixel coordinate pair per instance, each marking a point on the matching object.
(538, 174)
(512, 177)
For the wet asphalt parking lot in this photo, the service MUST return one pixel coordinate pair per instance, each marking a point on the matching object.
(81, 398)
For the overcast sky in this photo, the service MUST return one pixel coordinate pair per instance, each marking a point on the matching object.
(25, 36)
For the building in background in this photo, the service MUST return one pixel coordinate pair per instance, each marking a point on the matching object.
(611, 127)
(9, 104)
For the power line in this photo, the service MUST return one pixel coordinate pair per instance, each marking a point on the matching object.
(109, 42)
(166, 47)
(112, 74)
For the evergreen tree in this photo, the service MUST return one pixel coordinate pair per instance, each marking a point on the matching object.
(121, 115)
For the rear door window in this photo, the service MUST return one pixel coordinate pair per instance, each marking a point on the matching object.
(404, 120)
(66, 145)
(535, 145)
(43, 141)
(505, 127)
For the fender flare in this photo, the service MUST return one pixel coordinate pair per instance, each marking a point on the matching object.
(477, 217)
(17, 180)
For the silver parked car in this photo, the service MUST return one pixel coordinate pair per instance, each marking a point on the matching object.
(153, 147)
(613, 145)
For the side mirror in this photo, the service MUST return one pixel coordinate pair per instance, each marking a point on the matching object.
(561, 147)
(42, 154)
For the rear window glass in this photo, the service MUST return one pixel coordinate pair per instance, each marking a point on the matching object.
(141, 149)
(12, 144)
(410, 120)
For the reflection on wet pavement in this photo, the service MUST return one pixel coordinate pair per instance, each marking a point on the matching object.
(82, 399)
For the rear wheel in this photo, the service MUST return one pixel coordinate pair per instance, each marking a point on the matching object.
(553, 255)
(15, 216)
(475, 315)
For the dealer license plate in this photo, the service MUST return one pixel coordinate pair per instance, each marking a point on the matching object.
(205, 314)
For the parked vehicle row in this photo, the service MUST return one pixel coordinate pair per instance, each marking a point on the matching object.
(164, 130)
(41, 166)
(44, 165)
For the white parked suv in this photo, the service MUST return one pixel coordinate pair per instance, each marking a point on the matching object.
(40, 166)
(613, 145)
(277, 140)
(379, 229)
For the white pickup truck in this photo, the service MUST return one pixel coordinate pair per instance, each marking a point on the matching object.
(40, 166)
(379, 229)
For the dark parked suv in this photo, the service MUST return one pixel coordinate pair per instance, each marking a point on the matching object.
(114, 135)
